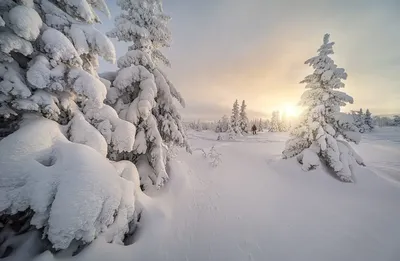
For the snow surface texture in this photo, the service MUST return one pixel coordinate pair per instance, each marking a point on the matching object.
(323, 130)
(75, 192)
(254, 206)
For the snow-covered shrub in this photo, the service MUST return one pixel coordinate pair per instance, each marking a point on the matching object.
(222, 124)
(214, 157)
(140, 91)
(323, 130)
(69, 191)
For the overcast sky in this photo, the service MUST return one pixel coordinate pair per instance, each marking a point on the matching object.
(255, 50)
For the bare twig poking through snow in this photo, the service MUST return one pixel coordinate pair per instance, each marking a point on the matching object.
(202, 151)
(214, 157)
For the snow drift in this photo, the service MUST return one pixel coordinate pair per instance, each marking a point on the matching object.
(74, 192)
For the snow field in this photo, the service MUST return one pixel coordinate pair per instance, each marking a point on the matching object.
(255, 206)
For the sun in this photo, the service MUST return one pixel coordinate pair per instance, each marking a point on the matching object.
(291, 110)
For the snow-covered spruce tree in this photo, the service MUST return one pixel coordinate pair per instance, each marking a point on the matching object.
(222, 124)
(231, 132)
(260, 125)
(48, 62)
(323, 131)
(396, 120)
(141, 92)
(243, 121)
(275, 122)
(235, 118)
(218, 127)
(359, 120)
(368, 121)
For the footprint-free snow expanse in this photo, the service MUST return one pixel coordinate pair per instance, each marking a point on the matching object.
(255, 206)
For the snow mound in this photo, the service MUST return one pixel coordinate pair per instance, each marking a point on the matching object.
(75, 193)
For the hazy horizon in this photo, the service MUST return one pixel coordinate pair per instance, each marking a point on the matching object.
(255, 51)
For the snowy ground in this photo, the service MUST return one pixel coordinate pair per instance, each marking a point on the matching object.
(254, 206)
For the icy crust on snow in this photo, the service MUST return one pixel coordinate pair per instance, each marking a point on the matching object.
(75, 192)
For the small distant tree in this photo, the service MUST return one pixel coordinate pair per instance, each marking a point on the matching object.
(359, 119)
(368, 122)
(396, 120)
(275, 122)
(324, 132)
(218, 127)
(383, 121)
(244, 121)
(235, 118)
(231, 132)
(222, 124)
(260, 125)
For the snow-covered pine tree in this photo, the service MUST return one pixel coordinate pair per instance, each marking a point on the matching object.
(275, 121)
(396, 120)
(260, 125)
(231, 132)
(218, 127)
(243, 121)
(359, 120)
(48, 63)
(368, 121)
(324, 132)
(235, 118)
(141, 92)
(222, 124)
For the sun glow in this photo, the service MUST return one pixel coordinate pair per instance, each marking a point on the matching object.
(291, 110)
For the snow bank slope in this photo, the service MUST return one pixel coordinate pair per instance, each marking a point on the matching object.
(255, 206)
(74, 191)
